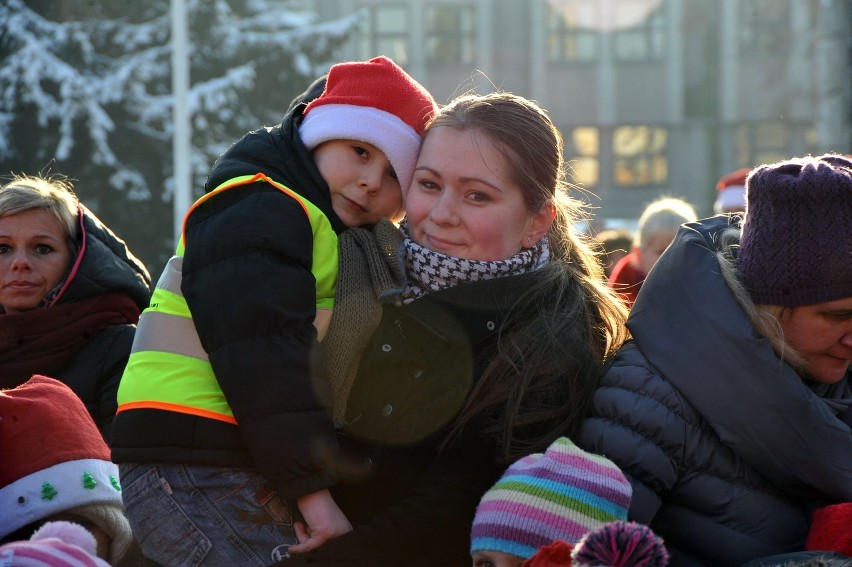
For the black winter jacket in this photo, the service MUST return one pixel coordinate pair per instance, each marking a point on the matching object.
(107, 266)
(410, 501)
(727, 448)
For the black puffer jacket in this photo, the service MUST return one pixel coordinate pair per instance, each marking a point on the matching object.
(107, 266)
(728, 450)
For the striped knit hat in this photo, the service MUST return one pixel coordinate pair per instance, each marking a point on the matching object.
(560, 495)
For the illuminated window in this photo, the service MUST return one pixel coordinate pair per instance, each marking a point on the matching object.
(639, 155)
(762, 142)
(582, 152)
(645, 37)
(449, 33)
(763, 26)
(385, 31)
(567, 40)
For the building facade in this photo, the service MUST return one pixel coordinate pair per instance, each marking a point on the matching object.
(653, 97)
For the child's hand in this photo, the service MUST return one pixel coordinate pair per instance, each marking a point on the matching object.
(323, 521)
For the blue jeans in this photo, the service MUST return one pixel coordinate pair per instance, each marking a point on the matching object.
(205, 516)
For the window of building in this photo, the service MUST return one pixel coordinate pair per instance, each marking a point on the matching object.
(763, 26)
(582, 152)
(449, 33)
(567, 39)
(645, 38)
(640, 155)
(385, 31)
(762, 142)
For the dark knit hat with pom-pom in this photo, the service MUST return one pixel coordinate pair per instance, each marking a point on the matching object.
(796, 243)
(621, 544)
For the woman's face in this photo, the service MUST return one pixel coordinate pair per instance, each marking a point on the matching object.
(464, 203)
(34, 256)
(822, 334)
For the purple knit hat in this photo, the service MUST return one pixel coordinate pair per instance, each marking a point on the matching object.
(796, 243)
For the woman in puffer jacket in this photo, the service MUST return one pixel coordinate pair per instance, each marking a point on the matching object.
(729, 410)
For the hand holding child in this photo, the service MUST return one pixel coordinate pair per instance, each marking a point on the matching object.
(323, 521)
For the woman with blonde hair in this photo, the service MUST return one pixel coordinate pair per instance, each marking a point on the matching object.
(70, 294)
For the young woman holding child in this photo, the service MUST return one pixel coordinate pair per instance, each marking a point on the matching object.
(481, 328)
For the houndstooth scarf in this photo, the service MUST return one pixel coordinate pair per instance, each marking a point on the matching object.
(429, 271)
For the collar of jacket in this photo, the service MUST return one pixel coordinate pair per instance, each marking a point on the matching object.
(479, 306)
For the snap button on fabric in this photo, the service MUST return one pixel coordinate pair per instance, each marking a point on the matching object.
(386, 347)
(490, 325)
(387, 410)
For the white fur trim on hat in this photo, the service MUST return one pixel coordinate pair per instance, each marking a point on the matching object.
(730, 199)
(386, 131)
(56, 489)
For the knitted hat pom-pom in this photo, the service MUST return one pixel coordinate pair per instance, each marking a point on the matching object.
(621, 544)
(69, 532)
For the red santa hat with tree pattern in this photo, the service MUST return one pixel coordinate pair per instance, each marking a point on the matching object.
(54, 460)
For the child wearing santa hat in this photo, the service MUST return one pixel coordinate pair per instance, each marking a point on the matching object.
(223, 428)
(55, 465)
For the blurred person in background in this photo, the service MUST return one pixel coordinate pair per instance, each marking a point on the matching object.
(658, 225)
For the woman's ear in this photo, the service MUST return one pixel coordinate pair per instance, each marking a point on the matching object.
(540, 224)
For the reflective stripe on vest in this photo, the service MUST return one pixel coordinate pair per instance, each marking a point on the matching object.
(168, 368)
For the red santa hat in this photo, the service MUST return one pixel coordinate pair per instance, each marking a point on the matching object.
(731, 192)
(54, 460)
(831, 529)
(375, 102)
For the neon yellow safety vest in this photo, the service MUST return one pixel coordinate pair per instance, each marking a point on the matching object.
(168, 369)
